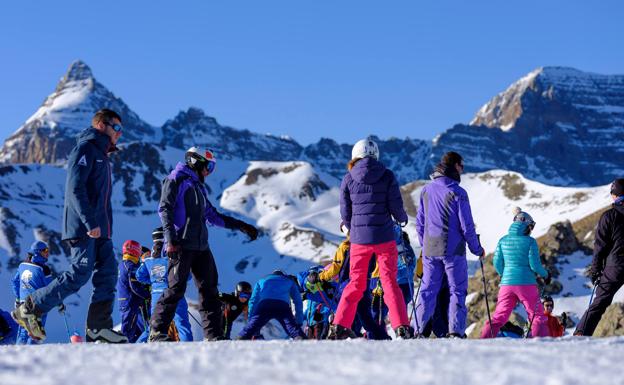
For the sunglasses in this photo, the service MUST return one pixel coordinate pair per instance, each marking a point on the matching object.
(115, 127)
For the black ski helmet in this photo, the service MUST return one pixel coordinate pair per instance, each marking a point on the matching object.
(242, 287)
(158, 235)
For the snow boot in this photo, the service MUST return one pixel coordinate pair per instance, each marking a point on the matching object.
(404, 332)
(338, 332)
(156, 336)
(456, 336)
(107, 336)
(27, 316)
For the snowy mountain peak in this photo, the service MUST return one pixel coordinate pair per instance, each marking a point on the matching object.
(48, 135)
(77, 71)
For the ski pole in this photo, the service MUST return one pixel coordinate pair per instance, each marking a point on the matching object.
(487, 304)
(66, 326)
(193, 317)
(591, 297)
(538, 303)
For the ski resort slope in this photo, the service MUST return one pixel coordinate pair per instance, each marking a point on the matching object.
(450, 362)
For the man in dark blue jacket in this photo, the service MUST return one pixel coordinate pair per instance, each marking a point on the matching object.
(87, 225)
(184, 211)
(270, 299)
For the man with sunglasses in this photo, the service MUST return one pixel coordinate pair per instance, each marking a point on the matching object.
(444, 225)
(185, 211)
(87, 226)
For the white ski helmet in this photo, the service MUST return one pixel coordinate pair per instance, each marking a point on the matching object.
(365, 148)
(198, 160)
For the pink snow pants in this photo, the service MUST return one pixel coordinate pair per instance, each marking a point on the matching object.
(387, 256)
(508, 297)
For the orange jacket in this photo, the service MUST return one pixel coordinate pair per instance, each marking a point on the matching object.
(555, 328)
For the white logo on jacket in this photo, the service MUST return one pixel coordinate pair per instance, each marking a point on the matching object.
(26, 277)
(82, 161)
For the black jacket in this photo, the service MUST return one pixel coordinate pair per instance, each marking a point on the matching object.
(609, 243)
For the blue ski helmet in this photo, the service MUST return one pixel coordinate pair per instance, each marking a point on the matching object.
(37, 248)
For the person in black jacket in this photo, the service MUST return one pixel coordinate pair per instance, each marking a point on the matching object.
(184, 211)
(88, 227)
(607, 268)
(234, 305)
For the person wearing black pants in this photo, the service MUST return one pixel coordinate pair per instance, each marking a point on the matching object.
(184, 211)
(607, 270)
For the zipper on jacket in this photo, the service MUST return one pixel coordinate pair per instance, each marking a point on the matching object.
(108, 187)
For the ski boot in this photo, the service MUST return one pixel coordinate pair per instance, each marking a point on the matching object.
(156, 336)
(404, 332)
(456, 336)
(106, 336)
(338, 332)
(27, 316)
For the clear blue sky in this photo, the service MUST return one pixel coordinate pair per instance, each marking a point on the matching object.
(307, 69)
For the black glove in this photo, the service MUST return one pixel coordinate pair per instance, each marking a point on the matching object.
(564, 319)
(595, 277)
(548, 279)
(317, 317)
(248, 229)
(313, 278)
(61, 308)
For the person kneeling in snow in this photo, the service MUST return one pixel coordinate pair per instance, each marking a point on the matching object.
(32, 274)
(555, 328)
(517, 261)
(132, 293)
(234, 305)
(271, 300)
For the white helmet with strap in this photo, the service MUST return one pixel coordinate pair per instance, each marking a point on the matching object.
(198, 160)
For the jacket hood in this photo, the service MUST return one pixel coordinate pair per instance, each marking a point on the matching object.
(181, 169)
(101, 141)
(367, 171)
(517, 228)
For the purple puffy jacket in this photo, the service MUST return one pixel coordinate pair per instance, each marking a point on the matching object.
(369, 198)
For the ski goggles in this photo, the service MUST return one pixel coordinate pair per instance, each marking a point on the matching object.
(244, 295)
(211, 166)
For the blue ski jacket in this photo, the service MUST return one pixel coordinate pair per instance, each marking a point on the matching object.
(29, 277)
(278, 287)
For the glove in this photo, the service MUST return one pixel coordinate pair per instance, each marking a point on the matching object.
(248, 229)
(61, 308)
(313, 278)
(595, 277)
(564, 319)
(548, 279)
(318, 317)
(172, 251)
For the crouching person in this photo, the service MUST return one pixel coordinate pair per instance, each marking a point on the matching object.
(132, 294)
(271, 300)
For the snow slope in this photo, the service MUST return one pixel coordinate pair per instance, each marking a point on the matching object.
(449, 362)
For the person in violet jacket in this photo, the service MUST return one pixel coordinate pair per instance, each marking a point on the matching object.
(444, 225)
(185, 212)
(370, 202)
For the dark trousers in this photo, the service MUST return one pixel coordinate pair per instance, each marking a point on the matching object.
(610, 282)
(267, 310)
(132, 320)
(90, 258)
(202, 265)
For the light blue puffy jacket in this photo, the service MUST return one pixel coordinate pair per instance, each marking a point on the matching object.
(516, 258)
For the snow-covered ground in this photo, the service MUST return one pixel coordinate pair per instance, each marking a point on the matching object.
(450, 362)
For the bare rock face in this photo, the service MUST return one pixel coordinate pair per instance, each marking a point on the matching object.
(545, 126)
(612, 322)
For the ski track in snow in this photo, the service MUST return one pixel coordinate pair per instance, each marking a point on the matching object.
(494, 362)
